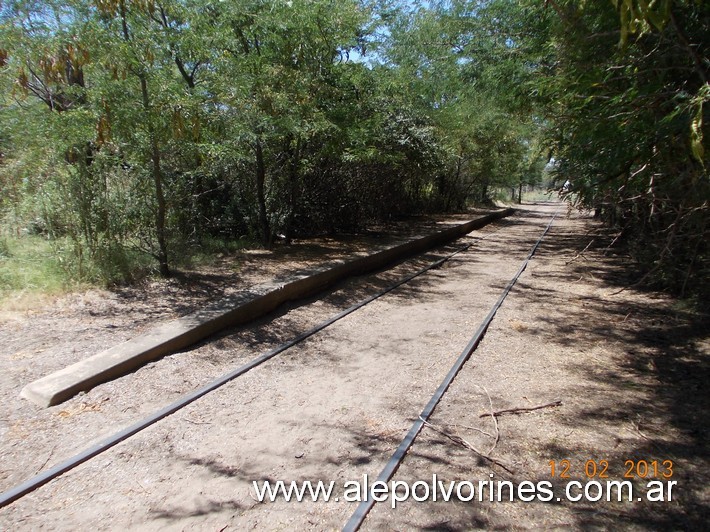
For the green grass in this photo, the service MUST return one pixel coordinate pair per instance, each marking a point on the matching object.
(35, 270)
(539, 195)
(208, 251)
(29, 267)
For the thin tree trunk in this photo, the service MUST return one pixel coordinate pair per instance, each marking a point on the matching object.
(261, 196)
(157, 173)
(156, 169)
(294, 158)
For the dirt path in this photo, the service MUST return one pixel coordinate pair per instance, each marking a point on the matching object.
(629, 369)
(36, 343)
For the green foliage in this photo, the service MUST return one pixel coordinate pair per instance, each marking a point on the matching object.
(140, 128)
(465, 62)
(134, 133)
(4, 250)
(29, 266)
(628, 124)
(639, 16)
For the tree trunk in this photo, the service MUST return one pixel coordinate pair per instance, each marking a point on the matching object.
(157, 173)
(520, 194)
(294, 154)
(156, 169)
(261, 196)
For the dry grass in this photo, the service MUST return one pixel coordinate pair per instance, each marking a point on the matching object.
(518, 325)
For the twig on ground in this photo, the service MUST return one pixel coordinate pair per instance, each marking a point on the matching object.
(460, 441)
(474, 428)
(579, 253)
(197, 422)
(47, 460)
(522, 409)
(617, 237)
(493, 417)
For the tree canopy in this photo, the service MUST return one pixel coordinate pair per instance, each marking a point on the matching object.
(628, 108)
(143, 128)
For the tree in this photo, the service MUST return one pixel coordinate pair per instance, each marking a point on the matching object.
(467, 70)
(629, 118)
(116, 74)
(279, 84)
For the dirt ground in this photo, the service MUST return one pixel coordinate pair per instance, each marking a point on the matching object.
(629, 368)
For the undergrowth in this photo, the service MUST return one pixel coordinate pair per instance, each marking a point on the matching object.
(29, 267)
(34, 268)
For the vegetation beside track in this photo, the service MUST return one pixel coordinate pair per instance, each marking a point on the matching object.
(134, 134)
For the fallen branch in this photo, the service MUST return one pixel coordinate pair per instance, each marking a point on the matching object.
(197, 422)
(617, 237)
(457, 427)
(521, 409)
(460, 441)
(579, 253)
(493, 417)
(51, 452)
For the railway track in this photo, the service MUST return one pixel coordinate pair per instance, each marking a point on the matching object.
(358, 517)
(399, 288)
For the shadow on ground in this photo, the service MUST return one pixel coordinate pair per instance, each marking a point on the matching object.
(662, 376)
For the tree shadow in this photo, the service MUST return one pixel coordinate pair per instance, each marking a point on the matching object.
(662, 374)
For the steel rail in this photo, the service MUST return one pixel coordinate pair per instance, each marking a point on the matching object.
(40, 479)
(358, 517)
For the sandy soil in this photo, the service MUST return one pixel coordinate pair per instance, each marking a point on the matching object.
(629, 368)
